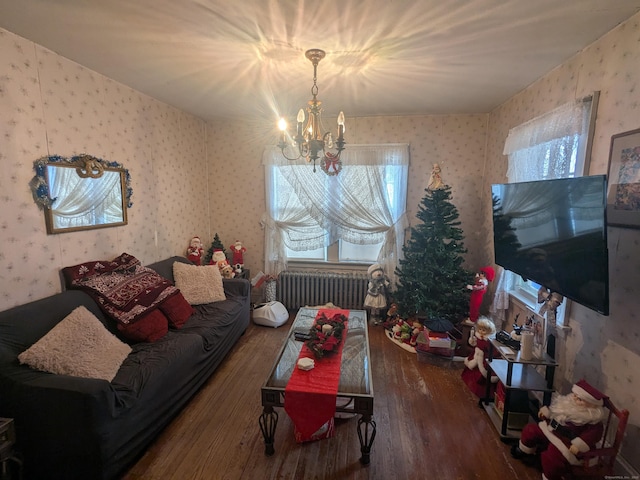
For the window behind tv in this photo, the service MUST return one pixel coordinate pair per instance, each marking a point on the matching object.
(557, 144)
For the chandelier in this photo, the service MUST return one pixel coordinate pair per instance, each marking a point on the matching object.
(311, 141)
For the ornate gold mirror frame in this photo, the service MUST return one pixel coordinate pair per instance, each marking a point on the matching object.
(81, 193)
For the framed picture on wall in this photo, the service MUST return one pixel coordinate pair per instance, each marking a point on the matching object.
(623, 193)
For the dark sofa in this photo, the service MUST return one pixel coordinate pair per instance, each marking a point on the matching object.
(79, 428)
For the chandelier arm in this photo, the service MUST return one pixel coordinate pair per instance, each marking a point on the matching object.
(287, 157)
(282, 145)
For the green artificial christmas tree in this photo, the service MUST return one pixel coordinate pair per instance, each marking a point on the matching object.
(215, 245)
(431, 279)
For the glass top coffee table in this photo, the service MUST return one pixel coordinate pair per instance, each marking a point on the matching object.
(355, 389)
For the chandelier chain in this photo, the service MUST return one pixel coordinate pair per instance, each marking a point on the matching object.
(314, 88)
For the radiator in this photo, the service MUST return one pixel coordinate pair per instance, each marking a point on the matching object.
(300, 289)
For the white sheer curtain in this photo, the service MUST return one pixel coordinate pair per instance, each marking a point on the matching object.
(84, 201)
(550, 146)
(365, 204)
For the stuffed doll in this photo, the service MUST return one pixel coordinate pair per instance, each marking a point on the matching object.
(475, 365)
(571, 425)
(478, 289)
(237, 249)
(376, 298)
(195, 250)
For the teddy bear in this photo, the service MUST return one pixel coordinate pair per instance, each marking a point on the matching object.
(226, 270)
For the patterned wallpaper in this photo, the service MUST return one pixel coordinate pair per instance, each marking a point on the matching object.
(604, 350)
(191, 178)
(52, 106)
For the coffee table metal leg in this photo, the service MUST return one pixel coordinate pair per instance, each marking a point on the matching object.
(367, 437)
(268, 424)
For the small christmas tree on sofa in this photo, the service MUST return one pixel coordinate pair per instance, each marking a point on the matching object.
(215, 245)
(431, 279)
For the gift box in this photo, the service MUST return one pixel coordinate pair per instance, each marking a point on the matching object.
(435, 348)
(436, 343)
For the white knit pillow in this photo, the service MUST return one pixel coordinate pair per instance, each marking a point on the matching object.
(79, 346)
(199, 284)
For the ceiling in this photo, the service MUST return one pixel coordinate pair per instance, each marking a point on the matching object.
(218, 58)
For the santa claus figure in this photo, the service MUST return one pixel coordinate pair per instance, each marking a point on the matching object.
(478, 289)
(218, 258)
(194, 252)
(475, 365)
(237, 250)
(571, 425)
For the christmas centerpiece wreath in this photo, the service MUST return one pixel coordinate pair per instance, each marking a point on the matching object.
(326, 334)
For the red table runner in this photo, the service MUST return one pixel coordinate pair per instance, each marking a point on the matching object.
(310, 396)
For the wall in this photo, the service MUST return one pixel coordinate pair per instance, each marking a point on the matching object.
(52, 106)
(456, 142)
(604, 350)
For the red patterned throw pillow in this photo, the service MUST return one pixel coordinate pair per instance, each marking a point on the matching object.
(148, 328)
(177, 310)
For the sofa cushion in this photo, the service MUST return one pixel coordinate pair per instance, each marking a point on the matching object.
(177, 310)
(199, 284)
(150, 327)
(79, 346)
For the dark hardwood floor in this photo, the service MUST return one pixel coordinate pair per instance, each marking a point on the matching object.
(429, 426)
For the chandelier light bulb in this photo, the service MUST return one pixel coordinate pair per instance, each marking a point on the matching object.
(282, 125)
(341, 126)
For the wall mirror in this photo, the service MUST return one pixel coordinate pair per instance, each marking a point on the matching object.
(81, 193)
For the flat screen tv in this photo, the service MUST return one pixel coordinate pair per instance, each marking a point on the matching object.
(554, 233)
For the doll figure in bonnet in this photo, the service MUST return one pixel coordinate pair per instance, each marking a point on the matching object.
(376, 298)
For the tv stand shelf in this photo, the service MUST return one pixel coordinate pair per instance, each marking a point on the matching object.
(517, 374)
(520, 376)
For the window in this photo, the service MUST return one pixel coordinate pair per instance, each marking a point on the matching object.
(339, 252)
(357, 216)
(554, 145)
